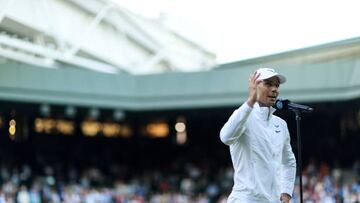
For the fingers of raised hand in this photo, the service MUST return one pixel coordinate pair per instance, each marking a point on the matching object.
(257, 75)
(254, 78)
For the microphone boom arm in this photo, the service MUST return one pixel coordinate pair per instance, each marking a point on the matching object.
(284, 104)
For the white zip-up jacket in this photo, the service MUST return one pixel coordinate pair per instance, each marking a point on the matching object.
(261, 154)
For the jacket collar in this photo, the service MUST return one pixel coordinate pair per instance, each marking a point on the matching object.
(264, 113)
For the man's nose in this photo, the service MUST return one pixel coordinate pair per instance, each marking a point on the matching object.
(274, 88)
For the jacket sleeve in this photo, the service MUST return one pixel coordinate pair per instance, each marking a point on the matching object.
(236, 123)
(288, 171)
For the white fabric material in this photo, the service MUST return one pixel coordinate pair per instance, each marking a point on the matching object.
(266, 73)
(261, 154)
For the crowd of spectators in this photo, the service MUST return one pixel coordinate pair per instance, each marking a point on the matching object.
(189, 183)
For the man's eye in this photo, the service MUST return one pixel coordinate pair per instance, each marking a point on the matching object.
(272, 84)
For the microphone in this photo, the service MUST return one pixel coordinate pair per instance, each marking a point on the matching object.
(284, 104)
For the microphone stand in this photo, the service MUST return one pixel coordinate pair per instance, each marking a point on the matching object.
(298, 119)
(297, 109)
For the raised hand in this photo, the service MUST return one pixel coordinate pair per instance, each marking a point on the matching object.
(253, 83)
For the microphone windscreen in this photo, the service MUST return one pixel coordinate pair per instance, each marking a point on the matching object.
(281, 104)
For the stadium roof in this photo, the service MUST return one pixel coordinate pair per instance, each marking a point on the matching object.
(327, 72)
(97, 35)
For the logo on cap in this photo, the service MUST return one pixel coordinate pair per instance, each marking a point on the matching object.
(271, 70)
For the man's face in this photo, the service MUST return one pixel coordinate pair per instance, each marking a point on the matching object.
(267, 91)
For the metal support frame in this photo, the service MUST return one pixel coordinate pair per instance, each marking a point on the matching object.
(24, 51)
(99, 16)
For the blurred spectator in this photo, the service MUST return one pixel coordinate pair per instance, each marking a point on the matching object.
(192, 183)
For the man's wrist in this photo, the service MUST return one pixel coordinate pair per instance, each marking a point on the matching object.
(251, 102)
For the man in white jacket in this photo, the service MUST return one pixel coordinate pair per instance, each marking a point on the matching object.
(259, 142)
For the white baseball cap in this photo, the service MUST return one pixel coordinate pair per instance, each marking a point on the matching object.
(266, 73)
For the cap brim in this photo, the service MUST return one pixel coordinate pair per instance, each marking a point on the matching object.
(282, 78)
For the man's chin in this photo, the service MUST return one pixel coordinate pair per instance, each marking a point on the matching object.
(267, 103)
(272, 102)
